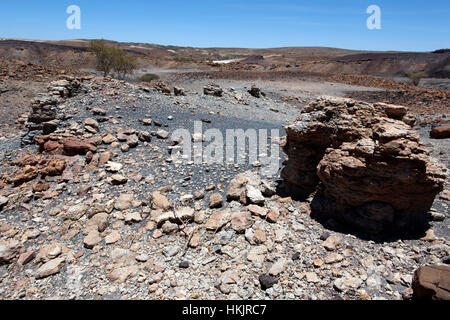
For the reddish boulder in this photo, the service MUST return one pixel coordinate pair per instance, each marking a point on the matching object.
(54, 167)
(432, 283)
(73, 147)
(440, 132)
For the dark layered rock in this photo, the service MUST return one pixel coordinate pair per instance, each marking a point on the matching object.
(255, 92)
(178, 91)
(45, 116)
(66, 87)
(213, 90)
(162, 87)
(373, 172)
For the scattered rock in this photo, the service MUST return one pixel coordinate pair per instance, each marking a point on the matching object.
(215, 201)
(241, 221)
(213, 90)
(92, 239)
(160, 201)
(218, 219)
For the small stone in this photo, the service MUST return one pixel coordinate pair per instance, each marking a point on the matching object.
(162, 134)
(9, 252)
(132, 217)
(3, 201)
(259, 236)
(215, 201)
(278, 267)
(91, 125)
(312, 277)
(113, 166)
(92, 239)
(50, 268)
(324, 236)
(109, 138)
(160, 201)
(26, 257)
(241, 221)
(118, 179)
(257, 254)
(112, 237)
(429, 235)
(331, 243)
(333, 258)
(346, 283)
(171, 251)
(257, 210)
(133, 141)
(124, 201)
(142, 258)
(254, 195)
(267, 281)
(145, 136)
(184, 264)
(437, 216)
(199, 194)
(99, 112)
(218, 219)
(273, 215)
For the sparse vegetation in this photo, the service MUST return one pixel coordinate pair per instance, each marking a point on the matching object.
(184, 59)
(112, 58)
(148, 77)
(124, 65)
(416, 76)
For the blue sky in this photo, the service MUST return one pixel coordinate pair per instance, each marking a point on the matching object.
(407, 25)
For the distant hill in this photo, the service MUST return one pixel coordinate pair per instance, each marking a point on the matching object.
(308, 59)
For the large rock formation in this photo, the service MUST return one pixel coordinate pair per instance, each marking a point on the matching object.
(373, 171)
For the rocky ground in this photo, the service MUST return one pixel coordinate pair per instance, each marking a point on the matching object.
(106, 210)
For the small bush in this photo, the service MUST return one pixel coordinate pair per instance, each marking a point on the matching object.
(416, 76)
(148, 77)
(184, 59)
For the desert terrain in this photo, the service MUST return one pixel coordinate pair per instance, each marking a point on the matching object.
(97, 201)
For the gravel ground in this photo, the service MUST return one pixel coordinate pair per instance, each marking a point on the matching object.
(133, 258)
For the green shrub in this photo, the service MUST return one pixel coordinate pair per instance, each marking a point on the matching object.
(112, 58)
(148, 77)
(416, 76)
